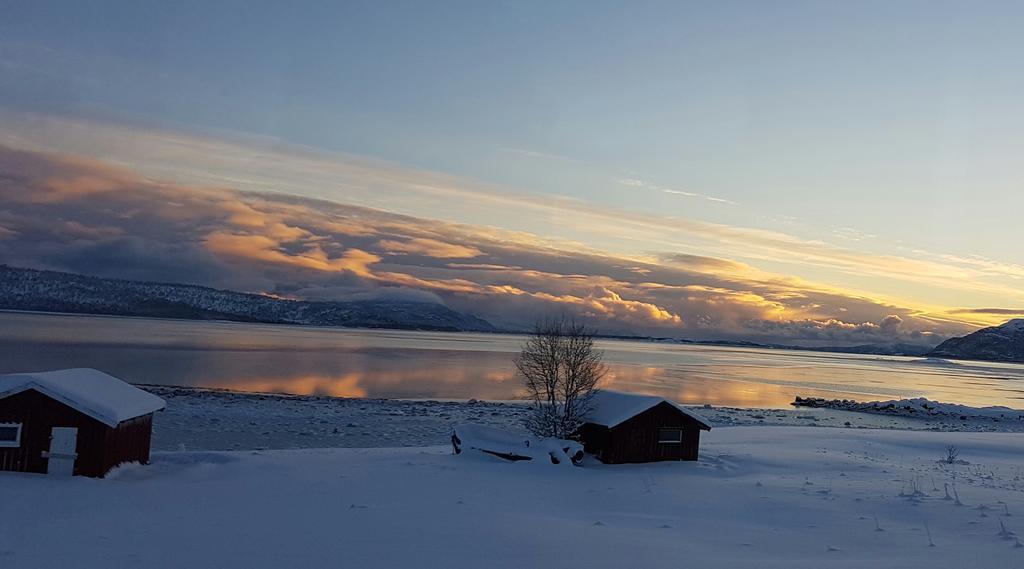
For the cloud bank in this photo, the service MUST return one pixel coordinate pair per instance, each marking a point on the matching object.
(892, 273)
(89, 216)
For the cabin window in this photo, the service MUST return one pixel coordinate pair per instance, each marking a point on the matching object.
(10, 434)
(670, 436)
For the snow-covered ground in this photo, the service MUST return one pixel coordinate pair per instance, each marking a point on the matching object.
(787, 497)
(203, 419)
(920, 407)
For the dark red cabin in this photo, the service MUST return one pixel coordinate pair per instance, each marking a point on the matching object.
(73, 422)
(623, 427)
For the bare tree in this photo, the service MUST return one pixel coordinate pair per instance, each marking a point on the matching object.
(560, 369)
(952, 455)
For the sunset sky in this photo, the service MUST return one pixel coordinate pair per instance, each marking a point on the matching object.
(816, 173)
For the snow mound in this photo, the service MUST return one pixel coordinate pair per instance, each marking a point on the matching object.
(918, 406)
(505, 445)
(100, 396)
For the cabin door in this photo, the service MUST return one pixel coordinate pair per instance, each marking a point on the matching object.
(61, 457)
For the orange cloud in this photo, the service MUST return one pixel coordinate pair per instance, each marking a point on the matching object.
(607, 304)
(264, 248)
(358, 262)
(272, 225)
(482, 267)
(430, 248)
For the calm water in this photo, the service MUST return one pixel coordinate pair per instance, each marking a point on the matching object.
(386, 363)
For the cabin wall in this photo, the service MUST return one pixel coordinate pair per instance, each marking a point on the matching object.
(129, 442)
(636, 440)
(593, 437)
(99, 447)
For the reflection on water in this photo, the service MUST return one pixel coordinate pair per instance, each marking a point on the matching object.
(375, 363)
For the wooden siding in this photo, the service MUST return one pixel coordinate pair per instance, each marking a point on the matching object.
(99, 447)
(129, 442)
(636, 440)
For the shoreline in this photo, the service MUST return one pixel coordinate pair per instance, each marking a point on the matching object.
(216, 419)
(451, 366)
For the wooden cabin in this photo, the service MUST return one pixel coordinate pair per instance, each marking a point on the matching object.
(73, 422)
(624, 427)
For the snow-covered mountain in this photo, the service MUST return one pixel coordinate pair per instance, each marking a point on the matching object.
(997, 343)
(51, 291)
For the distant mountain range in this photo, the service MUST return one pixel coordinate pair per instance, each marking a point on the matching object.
(883, 349)
(1003, 343)
(51, 291)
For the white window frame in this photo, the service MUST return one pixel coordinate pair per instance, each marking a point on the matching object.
(664, 442)
(17, 436)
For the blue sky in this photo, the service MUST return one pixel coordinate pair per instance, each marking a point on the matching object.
(886, 128)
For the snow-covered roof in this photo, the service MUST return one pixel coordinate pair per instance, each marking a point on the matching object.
(96, 394)
(611, 408)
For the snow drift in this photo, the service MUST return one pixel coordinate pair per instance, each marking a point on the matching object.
(915, 407)
(496, 442)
